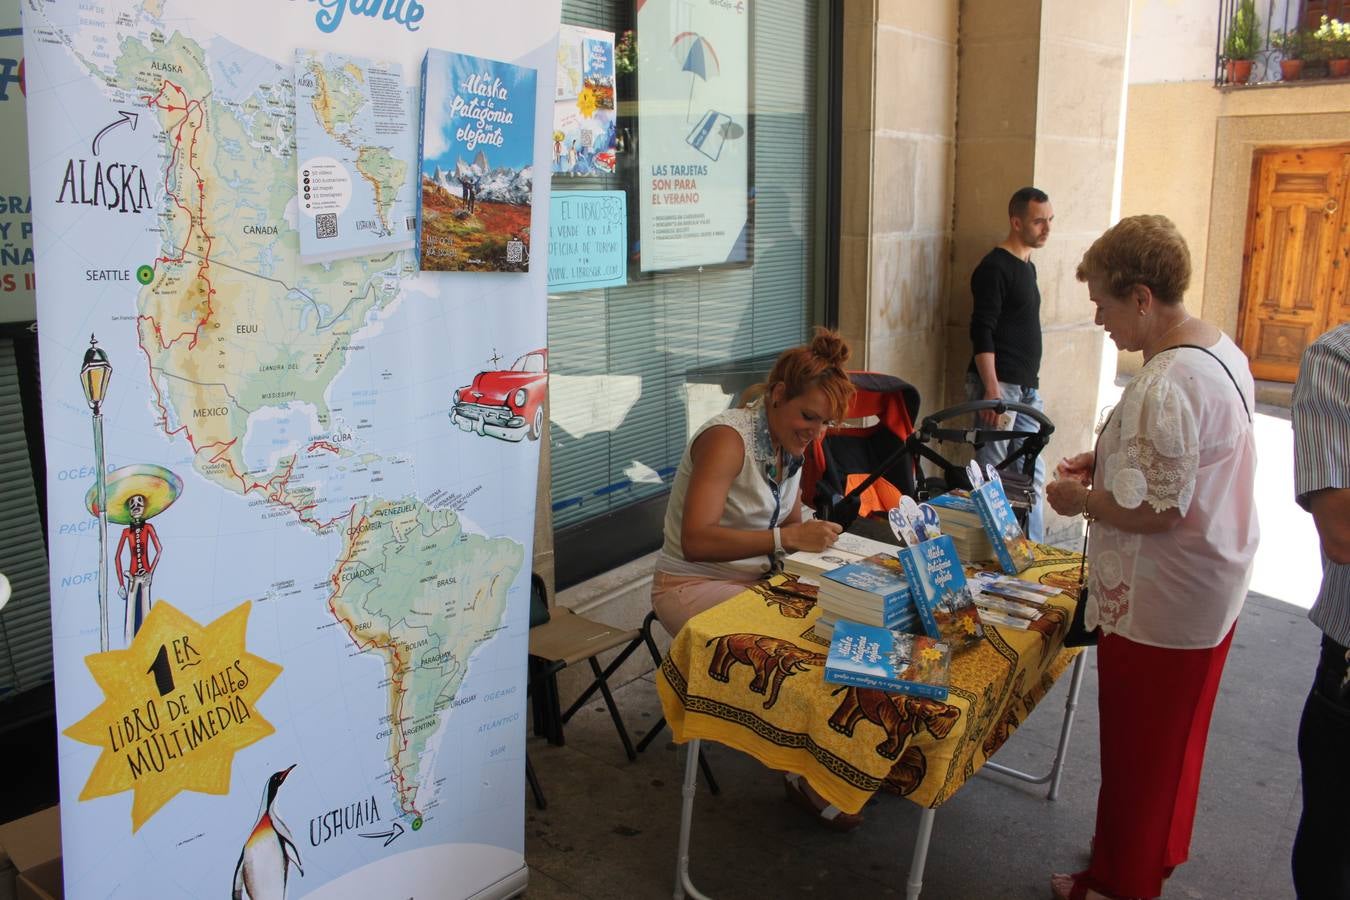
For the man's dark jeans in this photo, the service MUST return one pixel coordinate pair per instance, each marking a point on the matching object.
(1322, 846)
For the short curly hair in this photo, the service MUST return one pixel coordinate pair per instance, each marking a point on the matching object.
(1147, 250)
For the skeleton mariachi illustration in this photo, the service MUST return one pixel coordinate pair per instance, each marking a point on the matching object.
(135, 495)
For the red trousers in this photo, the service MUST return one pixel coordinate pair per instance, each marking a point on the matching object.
(1155, 705)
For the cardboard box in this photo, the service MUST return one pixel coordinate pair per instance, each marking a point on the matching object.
(42, 882)
(30, 857)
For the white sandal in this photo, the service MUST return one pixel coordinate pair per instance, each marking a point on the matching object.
(800, 792)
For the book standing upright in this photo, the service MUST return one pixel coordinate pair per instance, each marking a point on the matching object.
(1010, 545)
(941, 594)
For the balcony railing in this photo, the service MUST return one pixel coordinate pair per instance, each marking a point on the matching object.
(1273, 41)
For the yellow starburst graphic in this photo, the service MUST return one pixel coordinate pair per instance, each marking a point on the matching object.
(178, 703)
(586, 102)
(931, 654)
(968, 624)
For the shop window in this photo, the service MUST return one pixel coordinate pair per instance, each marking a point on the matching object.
(718, 147)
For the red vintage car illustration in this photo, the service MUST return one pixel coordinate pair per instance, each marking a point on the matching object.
(507, 404)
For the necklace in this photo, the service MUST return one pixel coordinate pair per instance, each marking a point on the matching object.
(1159, 340)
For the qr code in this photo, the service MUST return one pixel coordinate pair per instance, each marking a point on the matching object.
(515, 251)
(325, 225)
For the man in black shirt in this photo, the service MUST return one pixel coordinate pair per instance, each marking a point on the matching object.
(1005, 332)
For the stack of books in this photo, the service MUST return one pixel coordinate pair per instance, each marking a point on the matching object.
(849, 548)
(1009, 602)
(888, 660)
(872, 591)
(961, 521)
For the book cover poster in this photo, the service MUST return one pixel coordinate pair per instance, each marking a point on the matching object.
(477, 164)
(693, 119)
(17, 303)
(356, 141)
(585, 135)
(290, 597)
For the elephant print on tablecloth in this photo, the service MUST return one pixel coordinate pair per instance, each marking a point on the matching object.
(897, 715)
(772, 659)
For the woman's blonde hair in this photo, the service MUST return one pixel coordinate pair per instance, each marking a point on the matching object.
(1147, 250)
(817, 364)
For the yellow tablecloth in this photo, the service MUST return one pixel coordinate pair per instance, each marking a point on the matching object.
(748, 673)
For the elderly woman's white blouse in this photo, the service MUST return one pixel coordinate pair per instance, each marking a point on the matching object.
(1179, 438)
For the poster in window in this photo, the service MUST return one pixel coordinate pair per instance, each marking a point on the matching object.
(584, 130)
(16, 226)
(694, 150)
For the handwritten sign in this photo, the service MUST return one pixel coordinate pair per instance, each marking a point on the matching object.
(587, 240)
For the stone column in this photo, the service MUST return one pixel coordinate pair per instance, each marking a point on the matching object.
(898, 156)
(1040, 103)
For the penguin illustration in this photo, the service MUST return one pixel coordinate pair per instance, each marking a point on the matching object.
(268, 853)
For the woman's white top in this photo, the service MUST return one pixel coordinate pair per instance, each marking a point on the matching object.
(755, 502)
(1179, 437)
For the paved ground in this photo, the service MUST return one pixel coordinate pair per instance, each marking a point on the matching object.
(610, 830)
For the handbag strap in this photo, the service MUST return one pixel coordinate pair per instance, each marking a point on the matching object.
(1082, 565)
(1241, 397)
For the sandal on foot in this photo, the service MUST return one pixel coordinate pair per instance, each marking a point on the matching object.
(829, 815)
(1071, 887)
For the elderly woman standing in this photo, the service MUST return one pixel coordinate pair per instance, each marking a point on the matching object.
(1168, 495)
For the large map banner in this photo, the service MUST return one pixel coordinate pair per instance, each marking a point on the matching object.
(290, 547)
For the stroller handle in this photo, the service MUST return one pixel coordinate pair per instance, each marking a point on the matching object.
(929, 426)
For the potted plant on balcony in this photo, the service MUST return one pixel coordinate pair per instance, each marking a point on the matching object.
(1292, 45)
(1333, 43)
(1241, 43)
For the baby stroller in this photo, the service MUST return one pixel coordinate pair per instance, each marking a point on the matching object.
(847, 455)
(853, 471)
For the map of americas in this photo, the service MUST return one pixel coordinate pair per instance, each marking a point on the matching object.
(338, 101)
(232, 326)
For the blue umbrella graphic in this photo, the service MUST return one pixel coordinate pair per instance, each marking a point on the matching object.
(696, 56)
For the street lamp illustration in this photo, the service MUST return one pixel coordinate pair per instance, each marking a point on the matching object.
(94, 376)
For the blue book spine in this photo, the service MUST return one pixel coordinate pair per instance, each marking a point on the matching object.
(421, 143)
(890, 686)
(903, 618)
(915, 568)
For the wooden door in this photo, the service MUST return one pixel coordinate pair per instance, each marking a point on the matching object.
(1314, 10)
(1297, 258)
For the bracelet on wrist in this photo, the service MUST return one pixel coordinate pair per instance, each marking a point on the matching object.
(1089, 517)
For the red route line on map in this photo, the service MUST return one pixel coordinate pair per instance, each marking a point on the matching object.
(276, 485)
(193, 117)
(398, 666)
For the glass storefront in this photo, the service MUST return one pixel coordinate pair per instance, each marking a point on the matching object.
(717, 144)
